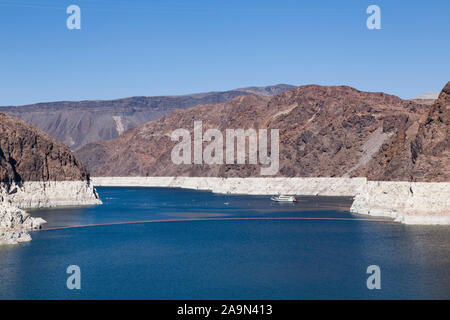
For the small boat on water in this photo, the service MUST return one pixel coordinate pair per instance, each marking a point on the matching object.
(283, 198)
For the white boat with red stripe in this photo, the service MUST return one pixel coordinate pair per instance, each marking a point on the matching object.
(284, 198)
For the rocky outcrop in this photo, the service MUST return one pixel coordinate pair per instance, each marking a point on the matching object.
(46, 194)
(36, 171)
(14, 224)
(419, 151)
(28, 154)
(407, 202)
(76, 123)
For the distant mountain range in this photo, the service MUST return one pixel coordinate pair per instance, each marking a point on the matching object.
(334, 131)
(77, 123)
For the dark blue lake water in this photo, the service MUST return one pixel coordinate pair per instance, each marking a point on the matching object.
(224, 259)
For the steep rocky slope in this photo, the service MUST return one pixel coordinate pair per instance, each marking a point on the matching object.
(419, 152)
(27, 154)
(35, 170)
(324, 132)
(80, 122)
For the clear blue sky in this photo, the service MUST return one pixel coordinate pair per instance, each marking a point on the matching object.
(137, 47)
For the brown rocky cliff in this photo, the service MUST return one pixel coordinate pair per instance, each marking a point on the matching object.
(324, 132)
(419, 152)
(28, 154)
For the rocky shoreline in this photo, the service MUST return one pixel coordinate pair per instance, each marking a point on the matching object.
(15, 222)
(407, 202)
(423, 203)
(46, 194)
(36, 171)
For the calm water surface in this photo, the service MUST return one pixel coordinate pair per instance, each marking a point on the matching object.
(224, 259)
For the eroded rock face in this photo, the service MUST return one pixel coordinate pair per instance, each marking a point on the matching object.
(46, 194)
(35, 171)
(419, 151)
(407, 202)
(28, 154)
(324, 132)
(14, 224)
